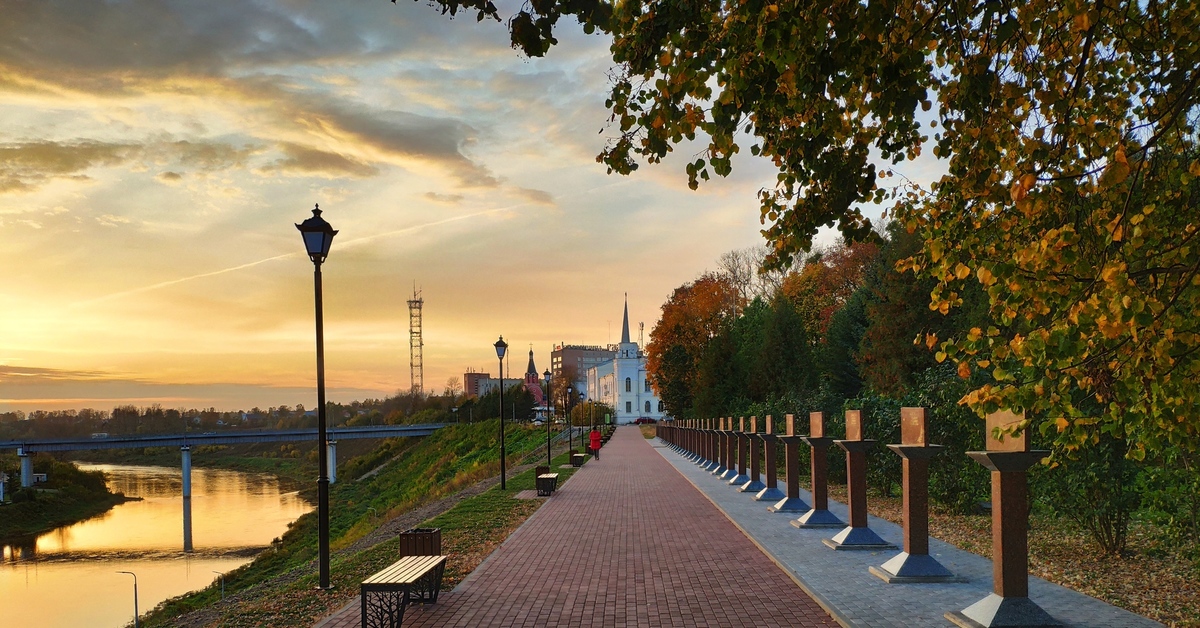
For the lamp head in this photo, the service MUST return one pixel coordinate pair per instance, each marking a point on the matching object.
(318, 235)
(547, 375)
(501, 347)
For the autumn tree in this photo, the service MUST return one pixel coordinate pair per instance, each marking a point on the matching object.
(826, 282)
(693, 315)
(1067, 131)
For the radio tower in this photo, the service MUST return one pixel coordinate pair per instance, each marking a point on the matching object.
(416, 366)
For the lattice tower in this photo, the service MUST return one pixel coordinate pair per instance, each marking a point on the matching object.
(416, 343)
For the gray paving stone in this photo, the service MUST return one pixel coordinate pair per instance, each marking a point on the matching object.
(840, 582)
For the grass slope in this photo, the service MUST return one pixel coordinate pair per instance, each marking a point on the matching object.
(278, 586)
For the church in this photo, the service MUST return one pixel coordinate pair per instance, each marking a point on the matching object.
(622, 384)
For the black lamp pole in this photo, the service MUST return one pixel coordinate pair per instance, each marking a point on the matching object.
(318, 235)
(501, 347)
(548, 414)
(570, 402)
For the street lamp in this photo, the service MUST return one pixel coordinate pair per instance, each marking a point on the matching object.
(567, 416)
(135, 608)
(501, 347)
(454, 411)
(318, 235)
(548, 415)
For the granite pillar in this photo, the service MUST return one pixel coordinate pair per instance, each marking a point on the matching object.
(791, 461)
(818, 516)
(1008, 457)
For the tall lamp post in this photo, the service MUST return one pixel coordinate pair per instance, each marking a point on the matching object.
(135, 607)
(548, 415)
(318, 235)
(501, 347)
(570, 401)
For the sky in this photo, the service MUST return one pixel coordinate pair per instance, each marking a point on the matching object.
(155, 155)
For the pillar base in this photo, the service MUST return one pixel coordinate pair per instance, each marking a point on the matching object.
(753, 486)
(719, 470)
(818, 519)
(905, 568)
(789, 504)
(994, 611)
(737, 480)
(709, 465)
(769, 495)
(853, 538)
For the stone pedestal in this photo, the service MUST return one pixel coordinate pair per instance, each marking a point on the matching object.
(743, 457)
(791, 466)
(818, 516)
(1008, 458)
(770, 491)
(914, 564)
(720, 468)
(709, 460)
(857, 536)
(730, 448)
(754, 448)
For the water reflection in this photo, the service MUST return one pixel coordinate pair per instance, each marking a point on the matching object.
(67, 577)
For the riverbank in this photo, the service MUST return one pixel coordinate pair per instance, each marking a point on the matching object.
(453, 469)
(22, 522)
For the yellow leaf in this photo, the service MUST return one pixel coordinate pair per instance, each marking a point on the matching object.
(985, 276)
(964, 370)
(930, 340)
(935, 251)
(1062, 423)
(975, 334)
(961, 271)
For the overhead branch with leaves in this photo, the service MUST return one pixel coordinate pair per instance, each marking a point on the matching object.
(1068, 132)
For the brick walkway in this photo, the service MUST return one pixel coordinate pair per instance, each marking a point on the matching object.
(627, 541)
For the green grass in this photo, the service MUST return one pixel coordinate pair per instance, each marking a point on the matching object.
(425, 470)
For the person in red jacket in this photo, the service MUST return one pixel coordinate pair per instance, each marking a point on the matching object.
(594, 442)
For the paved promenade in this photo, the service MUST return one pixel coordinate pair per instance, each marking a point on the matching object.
(626, 542)
(840, 580)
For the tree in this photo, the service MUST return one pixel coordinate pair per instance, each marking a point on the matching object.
(694, 314)
(827, 281)
(1067, 130)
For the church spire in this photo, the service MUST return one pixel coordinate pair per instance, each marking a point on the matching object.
(625, 323)
(531, 368)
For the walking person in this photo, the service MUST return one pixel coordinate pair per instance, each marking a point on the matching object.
(594, 442)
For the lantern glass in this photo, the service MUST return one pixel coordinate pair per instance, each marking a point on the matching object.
(501, 347)
(318, 236)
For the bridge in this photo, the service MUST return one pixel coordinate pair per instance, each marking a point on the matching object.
(185, 441)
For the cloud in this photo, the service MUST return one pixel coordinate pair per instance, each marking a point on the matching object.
(401, 134)
(311, 161)
(27, 166)
(24, 167)
(27, 375)
(446, 199)
(540, 197)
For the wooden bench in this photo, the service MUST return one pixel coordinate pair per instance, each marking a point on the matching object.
(547, 483)
(386, 594)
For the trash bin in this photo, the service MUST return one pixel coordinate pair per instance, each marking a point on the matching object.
(421, 542)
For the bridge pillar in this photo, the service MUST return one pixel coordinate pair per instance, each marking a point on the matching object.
(332, 449)
(26, 468)
(186, 453)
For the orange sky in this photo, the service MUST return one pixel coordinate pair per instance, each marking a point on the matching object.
(154, 156)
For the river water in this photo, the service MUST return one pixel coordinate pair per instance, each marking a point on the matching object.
(68, 577)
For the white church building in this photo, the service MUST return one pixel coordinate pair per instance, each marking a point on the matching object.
(621, 383)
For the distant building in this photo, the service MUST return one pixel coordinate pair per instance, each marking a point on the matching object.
(621, 382)
(477, 384)
(581, 358)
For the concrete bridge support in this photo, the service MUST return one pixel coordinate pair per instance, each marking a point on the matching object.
(332, 451)
(26, 468)
(186, 453)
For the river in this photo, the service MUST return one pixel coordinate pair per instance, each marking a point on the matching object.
(68, 577)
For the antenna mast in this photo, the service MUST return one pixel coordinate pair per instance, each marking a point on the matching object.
(416, 343)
